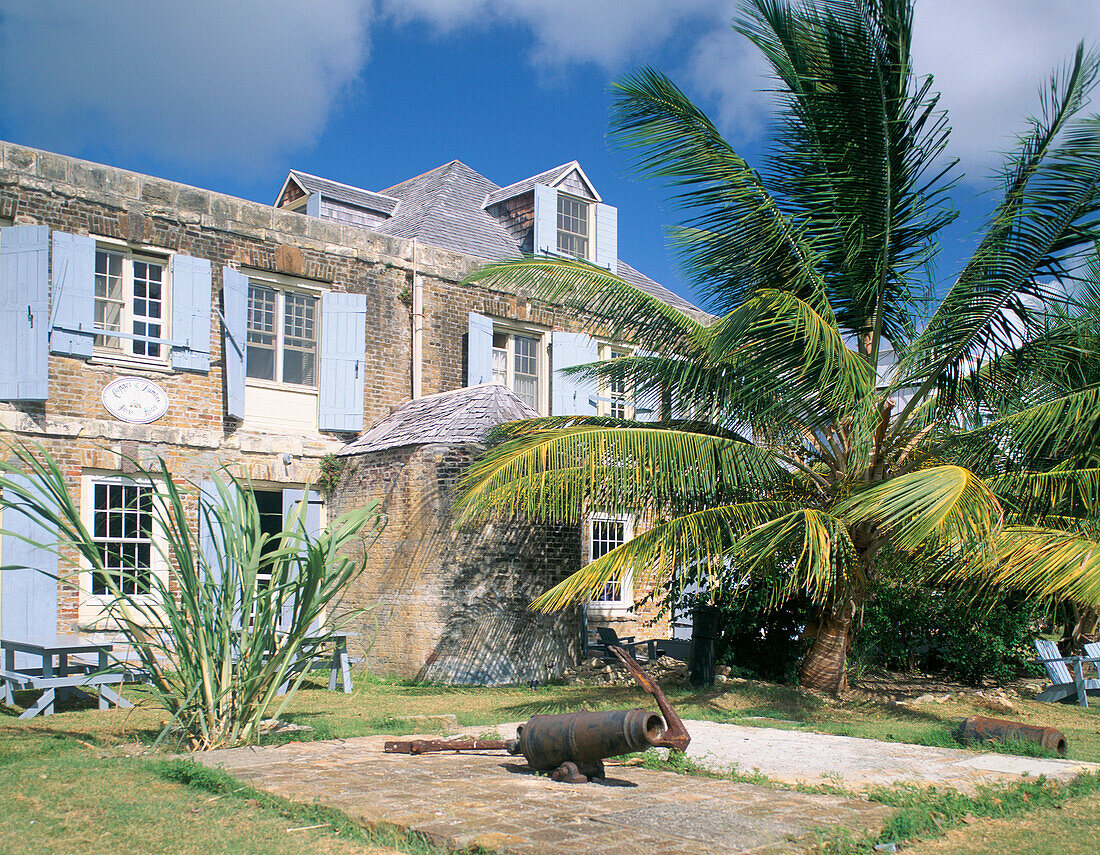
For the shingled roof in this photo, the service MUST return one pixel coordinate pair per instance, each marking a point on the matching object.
(449, 418)
(345, 193)
(443, 207)
(446, 207)
(550, 178)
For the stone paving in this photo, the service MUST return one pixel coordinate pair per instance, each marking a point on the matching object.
(494, 801)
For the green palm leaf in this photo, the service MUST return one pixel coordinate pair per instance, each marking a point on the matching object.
(702, 541)
(1045, 562)
(607, 468)
(941, 503)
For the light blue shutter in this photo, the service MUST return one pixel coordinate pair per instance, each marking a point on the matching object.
(607, 236)
(310, 520)
(211, 544)
(234, 348)
(190, 313)
(546, 219)
(343, 342)
(28, 582)
(572, 395)
(647, 411)
(24, 313)
(479, 350)
(72, 322)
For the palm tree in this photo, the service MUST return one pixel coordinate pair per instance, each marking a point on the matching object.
(823, 414)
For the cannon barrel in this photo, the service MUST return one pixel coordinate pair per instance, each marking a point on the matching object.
(548, 741)
(978, 728)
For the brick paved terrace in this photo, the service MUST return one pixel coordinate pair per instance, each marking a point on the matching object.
(493, 800)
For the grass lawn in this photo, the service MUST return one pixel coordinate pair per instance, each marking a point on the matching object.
(84, 780)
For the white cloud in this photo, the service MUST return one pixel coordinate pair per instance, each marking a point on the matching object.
(725, 67)
(231, 85)
(989, 58)
(608, 33)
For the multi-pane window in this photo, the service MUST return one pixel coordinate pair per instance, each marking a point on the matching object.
(282, 335)
(122, 529)
(572, 226)
(516, 365)
(606, 534)
(616, 395)
(130, 303)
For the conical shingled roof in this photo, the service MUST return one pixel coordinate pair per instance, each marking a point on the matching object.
(449, 418)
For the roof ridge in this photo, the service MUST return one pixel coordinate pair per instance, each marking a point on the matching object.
(342, 184)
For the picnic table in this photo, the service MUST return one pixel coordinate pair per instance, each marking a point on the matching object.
(69, 664)
(335, 660)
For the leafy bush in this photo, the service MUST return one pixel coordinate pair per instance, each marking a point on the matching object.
(754, 639)
(906, 624)
(235, 620)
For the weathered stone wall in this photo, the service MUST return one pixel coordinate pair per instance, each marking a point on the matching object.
(452, 605)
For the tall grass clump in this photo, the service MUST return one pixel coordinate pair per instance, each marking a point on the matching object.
(239, 613)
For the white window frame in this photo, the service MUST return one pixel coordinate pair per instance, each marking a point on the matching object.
(123, 352)
(542, 355)
(586, 206)
(625, 601)
(92, 608)
(281, 285)
(607, 397)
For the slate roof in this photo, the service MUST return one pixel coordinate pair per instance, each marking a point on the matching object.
(346, 193)
(449, 418)
(640, 280)
(443, 207)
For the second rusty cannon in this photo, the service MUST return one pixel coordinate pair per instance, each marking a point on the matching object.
(573, 746)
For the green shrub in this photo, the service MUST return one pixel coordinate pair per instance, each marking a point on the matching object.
(755, 640)
(906, 624)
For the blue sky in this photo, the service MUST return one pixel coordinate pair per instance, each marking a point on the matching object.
(229, 94)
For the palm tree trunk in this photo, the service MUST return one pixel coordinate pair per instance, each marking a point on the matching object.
(823, 666)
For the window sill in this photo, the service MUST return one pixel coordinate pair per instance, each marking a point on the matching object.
(599, 610)
(274, 386)
(131, 362)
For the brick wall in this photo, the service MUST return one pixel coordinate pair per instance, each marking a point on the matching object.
(447, 604)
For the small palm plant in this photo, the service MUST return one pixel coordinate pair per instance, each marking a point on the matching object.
(239, 616)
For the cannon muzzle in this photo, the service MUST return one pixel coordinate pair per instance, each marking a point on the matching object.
(981, 729)
(548, 741)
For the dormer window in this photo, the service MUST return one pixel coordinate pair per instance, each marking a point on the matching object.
(572, 226)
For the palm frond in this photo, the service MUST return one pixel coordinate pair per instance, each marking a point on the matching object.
(816, 549)
(623, 312)
(858, 159)
(737, 239)
(608, 468)
(701, 541)
(1035, 436)
(946, 504)
(1043, 562)
(1052, 196)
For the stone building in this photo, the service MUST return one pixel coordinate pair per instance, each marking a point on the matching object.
(144, 318)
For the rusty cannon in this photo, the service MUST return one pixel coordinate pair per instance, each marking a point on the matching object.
(573, 746)
(978, 728)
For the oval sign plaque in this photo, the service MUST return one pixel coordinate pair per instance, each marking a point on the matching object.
(135, 400)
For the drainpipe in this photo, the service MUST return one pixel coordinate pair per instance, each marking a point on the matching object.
(417, 330)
